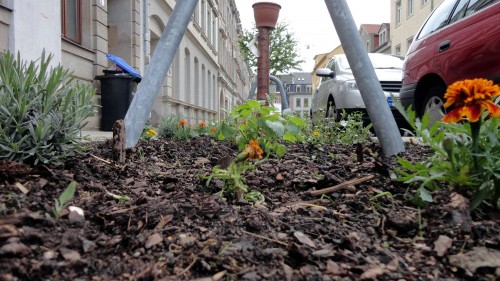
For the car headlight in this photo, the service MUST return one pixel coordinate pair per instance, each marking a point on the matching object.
(350, 85)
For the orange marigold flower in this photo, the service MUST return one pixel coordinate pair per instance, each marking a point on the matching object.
(252, 150)
(213, 130)
(469, 97)
(202, 124)
(182, 122)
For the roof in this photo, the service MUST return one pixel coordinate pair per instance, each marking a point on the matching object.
(297, 78)
(370, 28)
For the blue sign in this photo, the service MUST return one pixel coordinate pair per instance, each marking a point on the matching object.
(124, 65)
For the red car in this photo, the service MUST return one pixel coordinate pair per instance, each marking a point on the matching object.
(459, 40)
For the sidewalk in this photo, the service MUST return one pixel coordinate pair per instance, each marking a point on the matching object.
(97, 135)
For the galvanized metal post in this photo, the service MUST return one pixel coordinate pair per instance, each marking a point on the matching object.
(281, 88)
(373, 96)
(155, 73)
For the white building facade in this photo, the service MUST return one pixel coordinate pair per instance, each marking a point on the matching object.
(406, 18)
(207, 75)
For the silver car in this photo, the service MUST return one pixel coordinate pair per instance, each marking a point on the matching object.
(338, 90)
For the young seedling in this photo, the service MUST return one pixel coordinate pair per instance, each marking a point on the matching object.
(120, 198)
(64, 199)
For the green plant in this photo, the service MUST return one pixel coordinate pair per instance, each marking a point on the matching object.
(42, 110)
(349, 130)
(174, 126)
(255, 121)
(64, 199)
(120, 198)
(374, 200)
(466, 152)
(149, 132)
(232, 176)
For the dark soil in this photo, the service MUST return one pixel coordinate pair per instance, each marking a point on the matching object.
(174, 227)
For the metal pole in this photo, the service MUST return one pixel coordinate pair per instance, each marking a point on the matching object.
(281, 88)
(155, 73)
(373, 96)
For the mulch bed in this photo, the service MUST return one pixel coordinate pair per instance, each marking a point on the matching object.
(174, 227)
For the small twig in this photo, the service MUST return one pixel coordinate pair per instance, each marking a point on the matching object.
(99, 158)
(121, 211)
(348, 184)
(314, 201)
(308, 205)
(263, 237)
(129, 219)
(188, 268)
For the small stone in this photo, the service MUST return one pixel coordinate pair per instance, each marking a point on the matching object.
(185, 240)
(88, 246)
(16, 249)
(76, 215)
(70, 255)
(49, 255)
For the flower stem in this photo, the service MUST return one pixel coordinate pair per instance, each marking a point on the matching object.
(475, 128)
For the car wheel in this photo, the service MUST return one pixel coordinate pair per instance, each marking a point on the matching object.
(434, 104)
(331, 110)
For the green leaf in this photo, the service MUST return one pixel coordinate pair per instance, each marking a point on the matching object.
(422, 197)
(288, 136)
(67, 194)
(280, 150)
(277, 127)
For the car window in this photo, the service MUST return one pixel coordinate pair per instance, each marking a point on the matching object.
(386, 62)
(438, 18)
(459, 11)
(476, 5)
(331, 65)
(343, 63)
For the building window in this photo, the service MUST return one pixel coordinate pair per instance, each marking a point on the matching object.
(398, 50)
(196, 14)
(408, 43)
(306, 102)
(71, 20)
(398, 12)
(383, 37)
(203, 15)
(410, 7)
(297, 103)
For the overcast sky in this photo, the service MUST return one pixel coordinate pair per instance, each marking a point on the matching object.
(311, 23)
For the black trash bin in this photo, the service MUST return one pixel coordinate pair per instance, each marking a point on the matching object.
(117, 89)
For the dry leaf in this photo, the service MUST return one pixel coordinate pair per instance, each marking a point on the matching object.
(442, 244)
(304, 239)
(333, 267)
(153, 239)
(478, 257)
(372, 273)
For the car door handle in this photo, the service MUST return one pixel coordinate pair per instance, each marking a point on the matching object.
(443, 46)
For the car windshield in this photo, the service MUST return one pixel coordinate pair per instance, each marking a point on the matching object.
(378, 61)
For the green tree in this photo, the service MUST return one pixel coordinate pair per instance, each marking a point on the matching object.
(283, 50)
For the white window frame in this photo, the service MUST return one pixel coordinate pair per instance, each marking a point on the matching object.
(411, 8)
(398, 12)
